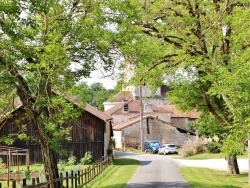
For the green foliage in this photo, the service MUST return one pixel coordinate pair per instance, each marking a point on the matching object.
(233, 145)
(96, 94)
(71, 160)
(61, 165)
(87, 159)
(213, 147)
(48, 46)
(27, 173)
(197, 47)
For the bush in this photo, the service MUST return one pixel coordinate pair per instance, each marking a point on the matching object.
(87, 159)
(192, 147)
(61, 165)
(72, 160)
(213, 147)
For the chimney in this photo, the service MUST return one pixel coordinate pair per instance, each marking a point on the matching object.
(148, 107)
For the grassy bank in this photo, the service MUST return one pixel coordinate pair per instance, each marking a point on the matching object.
(117, 175)
(207, 178)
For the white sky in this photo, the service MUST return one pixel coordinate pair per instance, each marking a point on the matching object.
(97, 76)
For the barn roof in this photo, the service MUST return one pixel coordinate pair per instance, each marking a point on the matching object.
(132, 121)
(86, 106)
(74, 100)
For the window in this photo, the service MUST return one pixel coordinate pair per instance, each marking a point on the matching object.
(125, 107)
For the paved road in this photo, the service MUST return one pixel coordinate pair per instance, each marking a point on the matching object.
(155, 171)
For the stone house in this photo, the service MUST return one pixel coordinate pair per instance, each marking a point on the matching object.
(161, 120)
(128, 133)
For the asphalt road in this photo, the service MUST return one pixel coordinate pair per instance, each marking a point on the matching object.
(155, 171)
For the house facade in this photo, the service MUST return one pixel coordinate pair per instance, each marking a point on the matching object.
(128, 133)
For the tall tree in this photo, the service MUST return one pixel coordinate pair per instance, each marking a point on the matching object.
(46, 45)
(95, 94)
(206, 42)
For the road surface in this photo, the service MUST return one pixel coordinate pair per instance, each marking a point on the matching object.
(155, 171)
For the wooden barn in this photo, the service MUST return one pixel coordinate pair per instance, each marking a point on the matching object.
(91, 131)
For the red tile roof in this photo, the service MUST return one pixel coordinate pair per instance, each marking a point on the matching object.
(134, 107)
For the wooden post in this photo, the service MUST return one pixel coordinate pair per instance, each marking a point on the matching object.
(75, 180)
(33, 181)
(85, 176)
(78, 176)
(67, 180)
(72, 178)
(8, 163)
(13, 184)
(82, 177)
(61, 175)
(24, 182)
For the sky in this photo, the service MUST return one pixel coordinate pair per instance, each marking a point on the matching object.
(96, 76)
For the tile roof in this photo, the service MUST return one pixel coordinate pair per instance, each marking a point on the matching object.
(128, 123)
(134, 107)
(137, 119)
(176, 113)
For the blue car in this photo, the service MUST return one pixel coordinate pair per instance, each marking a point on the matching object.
(152, 146)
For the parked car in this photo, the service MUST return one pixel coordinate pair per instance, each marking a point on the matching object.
(168, 148)
(152, 146)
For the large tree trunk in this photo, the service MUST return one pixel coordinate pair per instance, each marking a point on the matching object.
(50, 164)
(233, 167)
(49, 155)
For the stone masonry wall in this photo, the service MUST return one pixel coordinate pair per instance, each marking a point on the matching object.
(156, 130)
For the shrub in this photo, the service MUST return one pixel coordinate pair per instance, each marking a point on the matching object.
(87, 159)
(61, 165)
(213, 147)
(27, 174)
(72, 160)
(192, 147)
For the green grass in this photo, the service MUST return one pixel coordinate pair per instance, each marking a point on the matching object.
(207, 178)
(116, 175)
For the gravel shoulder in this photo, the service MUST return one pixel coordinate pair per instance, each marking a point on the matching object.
(216, 164)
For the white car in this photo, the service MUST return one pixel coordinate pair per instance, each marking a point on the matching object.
(168, 148)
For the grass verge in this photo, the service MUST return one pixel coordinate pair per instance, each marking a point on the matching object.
(116, 175)
(207, 178)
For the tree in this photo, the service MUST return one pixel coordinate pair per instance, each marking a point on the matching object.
(95, 94)
(48, 45)
(203, 41)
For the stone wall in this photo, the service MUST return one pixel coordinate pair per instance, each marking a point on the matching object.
(155, 130)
